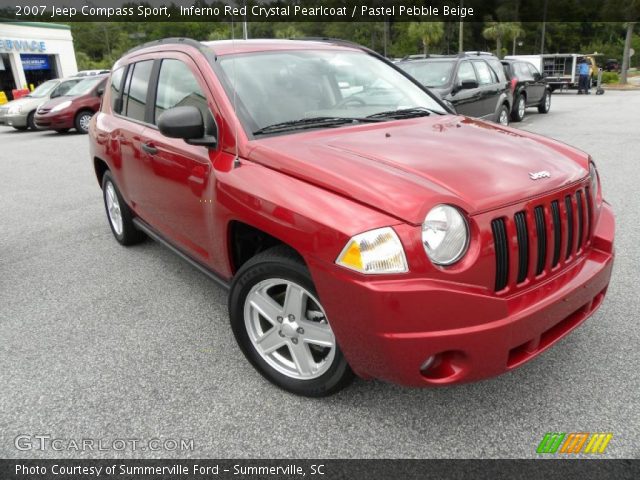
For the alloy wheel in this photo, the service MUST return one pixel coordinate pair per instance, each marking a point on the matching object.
(113, 207)
(289, 329)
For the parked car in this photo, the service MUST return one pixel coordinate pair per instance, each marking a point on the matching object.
(528, 87)
(20, 113)
(612, 65)
(356, 233)
(74, 109)
(474, 84)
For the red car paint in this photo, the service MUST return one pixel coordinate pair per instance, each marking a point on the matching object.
(314, 190)
(63, 119)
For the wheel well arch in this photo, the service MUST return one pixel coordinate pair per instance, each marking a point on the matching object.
(246, 241)
(100, 167)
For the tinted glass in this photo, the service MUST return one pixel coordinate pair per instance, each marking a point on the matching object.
(431, 73)
(136, 97)
(534, 71)
(522, 71)
(85, 86)
(116, 87)
(177, 86)
(64, 88)
(485, 75)
(44, 89)
(496, 66)
(466, 72)
(293, 85)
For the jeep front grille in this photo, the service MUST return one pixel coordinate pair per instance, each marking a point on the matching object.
(536, 236)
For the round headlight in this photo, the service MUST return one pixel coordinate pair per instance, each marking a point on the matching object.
(445, 235)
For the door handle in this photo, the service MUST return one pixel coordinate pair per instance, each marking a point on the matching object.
(149, 148)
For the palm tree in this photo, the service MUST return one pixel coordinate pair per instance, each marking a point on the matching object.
(630, 11)
(501, 30)
(429, 33)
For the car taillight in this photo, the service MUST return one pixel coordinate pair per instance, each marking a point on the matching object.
(514, 82)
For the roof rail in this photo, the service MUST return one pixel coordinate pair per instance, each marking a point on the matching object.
(174, 41)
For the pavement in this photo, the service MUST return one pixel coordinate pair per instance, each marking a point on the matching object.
(98, 341)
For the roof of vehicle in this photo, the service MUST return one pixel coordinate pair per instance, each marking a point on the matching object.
(226, 47)
(436, 58)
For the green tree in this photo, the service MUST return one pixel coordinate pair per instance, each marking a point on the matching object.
(428, 33)
(499, 31)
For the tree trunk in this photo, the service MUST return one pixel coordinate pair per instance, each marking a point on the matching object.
(625, 55)
(498, 47)
(425, 48)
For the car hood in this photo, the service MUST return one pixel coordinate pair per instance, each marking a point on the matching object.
(27, 103)
(405, 167)
(55, 101)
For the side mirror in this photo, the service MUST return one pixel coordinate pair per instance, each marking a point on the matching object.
(55, 94)
(186, 123)
(537, 77)
(468, 84)
(100, 91)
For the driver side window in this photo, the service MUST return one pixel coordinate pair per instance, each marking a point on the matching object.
(466, 72)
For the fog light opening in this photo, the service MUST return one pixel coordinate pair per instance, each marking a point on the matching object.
(443, 367)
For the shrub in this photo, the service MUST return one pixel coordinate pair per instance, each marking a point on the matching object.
(610, 77)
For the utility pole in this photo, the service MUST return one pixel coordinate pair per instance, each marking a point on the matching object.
(544, 25)
(461, 32)
(245, 28)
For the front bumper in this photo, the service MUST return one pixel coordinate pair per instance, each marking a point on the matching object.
(387, 329)
(54, 121)
(15, 120)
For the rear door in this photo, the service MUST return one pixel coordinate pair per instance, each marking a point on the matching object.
(489, 89)
(467, 102)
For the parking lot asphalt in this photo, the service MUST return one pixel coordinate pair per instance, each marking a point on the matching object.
(98, 341)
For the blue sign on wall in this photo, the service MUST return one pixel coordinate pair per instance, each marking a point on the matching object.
(34, 62)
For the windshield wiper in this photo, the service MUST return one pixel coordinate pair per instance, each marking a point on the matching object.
(312, 122)
(403, 113)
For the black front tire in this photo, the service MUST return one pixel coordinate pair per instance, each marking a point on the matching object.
(81, 121)
(129, 235)
(281, 263)
(20, 129)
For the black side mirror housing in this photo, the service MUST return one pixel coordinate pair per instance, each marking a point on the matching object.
(186, 123)
(469, 84)
(100, 91)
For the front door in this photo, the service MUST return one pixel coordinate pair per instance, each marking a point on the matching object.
(180, 175)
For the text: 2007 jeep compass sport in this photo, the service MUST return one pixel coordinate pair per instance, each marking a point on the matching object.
(359, 227)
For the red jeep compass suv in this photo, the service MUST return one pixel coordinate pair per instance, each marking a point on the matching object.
(358, 226)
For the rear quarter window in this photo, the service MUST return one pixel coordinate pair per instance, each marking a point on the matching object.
(134, 102)
(116, 89)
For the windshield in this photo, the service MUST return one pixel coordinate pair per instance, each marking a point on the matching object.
(430, 74)
(84, 86)
(273, 88)
(44, 89)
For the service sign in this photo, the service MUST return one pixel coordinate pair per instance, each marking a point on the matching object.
(11, 45)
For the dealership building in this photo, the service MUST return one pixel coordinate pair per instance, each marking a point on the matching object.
(31, 53)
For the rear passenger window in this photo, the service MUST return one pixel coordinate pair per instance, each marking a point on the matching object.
(466, 72)
(177, 86)
(135, 98)
(116, 89)
(485, 75)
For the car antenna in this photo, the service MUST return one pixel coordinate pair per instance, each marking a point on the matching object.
(236, 160)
